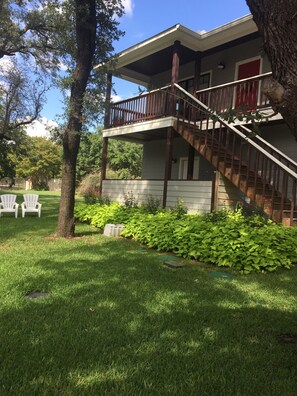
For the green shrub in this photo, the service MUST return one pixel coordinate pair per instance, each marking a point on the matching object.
(223, 238)
(152, 205)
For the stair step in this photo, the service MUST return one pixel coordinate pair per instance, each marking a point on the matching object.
(232, 167)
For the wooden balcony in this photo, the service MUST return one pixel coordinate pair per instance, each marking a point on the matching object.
(164, 102)
(242, 93)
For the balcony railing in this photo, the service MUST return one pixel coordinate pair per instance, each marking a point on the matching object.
(147, 106)
(161, 103)
(237, 94)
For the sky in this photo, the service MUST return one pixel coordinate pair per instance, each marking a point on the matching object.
(145, 18)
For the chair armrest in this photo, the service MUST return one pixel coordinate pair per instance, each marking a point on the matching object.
(23, 205)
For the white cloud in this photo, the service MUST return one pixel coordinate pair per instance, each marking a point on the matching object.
(116, 98)
(6, 65)
(41, 127)
(128, 6)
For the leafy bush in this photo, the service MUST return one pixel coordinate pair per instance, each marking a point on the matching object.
(180, 208)
(152, 205)
(130, 200)
(89, 188)
(224, 238)
(99, 215)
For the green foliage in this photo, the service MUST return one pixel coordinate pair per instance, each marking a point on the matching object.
(227, 239)
(124, 159)
(130, 200)
(99, 215)
(180, 208)
(152, 205)
(39, 160)
(89, 156)
(246, 114)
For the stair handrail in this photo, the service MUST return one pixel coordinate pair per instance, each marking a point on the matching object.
(271, 146)
(236, 131)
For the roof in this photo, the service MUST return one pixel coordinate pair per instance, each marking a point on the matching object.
(191, 42)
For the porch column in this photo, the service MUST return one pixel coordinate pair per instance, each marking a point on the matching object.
(107, 100)
(106, 125)
(197, 72)
(168, 163)
(174, 73)
(191, 156)
(103, 163)
(191, 151)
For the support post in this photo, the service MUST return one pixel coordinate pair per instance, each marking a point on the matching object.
(215, 191)
(107, 100)
(191, 156)
(168, 163)
(103, 164)
(191, 152)
(174, 73)
(197, 72)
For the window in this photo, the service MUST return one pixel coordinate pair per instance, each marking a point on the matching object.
(188, 85)
(204, 82)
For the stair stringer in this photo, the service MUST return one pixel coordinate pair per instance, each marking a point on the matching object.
(250, 185)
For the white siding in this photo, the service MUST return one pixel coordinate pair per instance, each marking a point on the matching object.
(195, 194)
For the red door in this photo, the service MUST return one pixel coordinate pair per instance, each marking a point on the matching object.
(247, 92)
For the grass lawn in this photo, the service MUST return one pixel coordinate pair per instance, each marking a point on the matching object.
(117, 322)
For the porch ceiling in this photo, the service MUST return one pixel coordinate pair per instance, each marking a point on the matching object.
(151, 65)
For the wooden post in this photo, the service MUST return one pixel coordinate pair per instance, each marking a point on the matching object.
(106, 125)
(197, 72)
(168, 163)
(191, 152)
(107, 100)
(191, 156)
(174, 73)
(104, 163)
(215, 192)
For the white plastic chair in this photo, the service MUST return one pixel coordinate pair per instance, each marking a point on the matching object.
(31, 204)
(8, 204)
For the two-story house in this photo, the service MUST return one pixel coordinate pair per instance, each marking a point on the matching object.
(189, 150)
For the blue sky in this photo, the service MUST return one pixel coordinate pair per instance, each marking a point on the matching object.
(145, 18)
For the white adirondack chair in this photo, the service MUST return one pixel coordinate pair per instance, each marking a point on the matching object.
(8, 204)
(31, 204)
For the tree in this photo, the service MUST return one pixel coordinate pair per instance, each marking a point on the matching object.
(123, 157)
(90, 43)
(39, 160)
(277, 23)
(21, 99)
(78, 34)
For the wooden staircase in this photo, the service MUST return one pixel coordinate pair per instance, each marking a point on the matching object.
(259, 170)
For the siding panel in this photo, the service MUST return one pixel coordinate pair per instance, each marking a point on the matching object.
(196, 195)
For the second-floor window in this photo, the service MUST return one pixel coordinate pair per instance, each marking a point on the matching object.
(188, 85)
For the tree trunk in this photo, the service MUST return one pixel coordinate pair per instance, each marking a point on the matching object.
(85, 20)
(277, 23)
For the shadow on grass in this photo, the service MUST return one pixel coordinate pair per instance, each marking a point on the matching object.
(119, 323)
